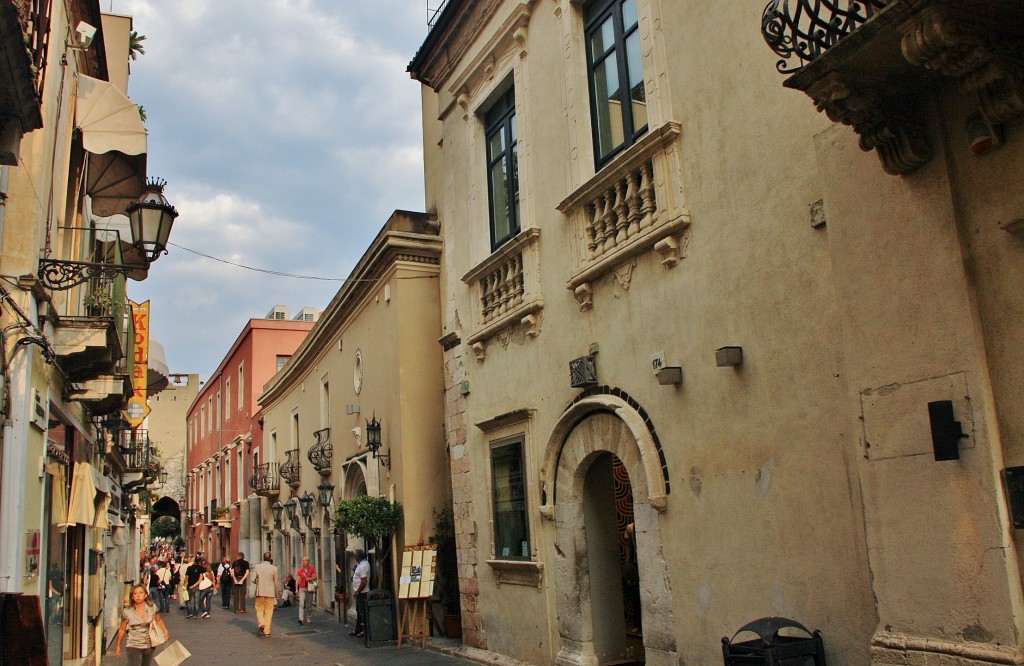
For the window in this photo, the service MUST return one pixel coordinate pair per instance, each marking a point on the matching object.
(227, 399)
(325, 403)
(511, 529)
(281, 360)
(615, 67)
(241, 386)
(503, 169)
(202, 421)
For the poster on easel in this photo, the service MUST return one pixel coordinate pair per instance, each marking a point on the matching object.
(416, 580)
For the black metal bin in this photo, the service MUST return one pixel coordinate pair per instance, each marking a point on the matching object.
(773, 648)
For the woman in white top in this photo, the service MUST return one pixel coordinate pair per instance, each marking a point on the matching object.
(135, 621)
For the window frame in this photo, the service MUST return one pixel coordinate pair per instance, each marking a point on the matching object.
(595, 14)
(500, 116)
(494, 448)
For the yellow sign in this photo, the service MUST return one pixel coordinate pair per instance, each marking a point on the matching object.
(137, 409)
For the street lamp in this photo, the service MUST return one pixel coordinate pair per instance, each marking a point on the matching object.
(276, 509)
(374, 443)
(325, 495)
(150, 221)
(306, 505)
(291, 508)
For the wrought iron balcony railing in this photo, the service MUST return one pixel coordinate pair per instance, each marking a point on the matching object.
(264, 480)
(320, 454)
(804, 29)
(290, 469)
(135, 449)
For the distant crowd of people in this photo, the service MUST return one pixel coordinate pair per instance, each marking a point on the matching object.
(166, 575)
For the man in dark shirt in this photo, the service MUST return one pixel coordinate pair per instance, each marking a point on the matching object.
(192, 574)
(240, 579)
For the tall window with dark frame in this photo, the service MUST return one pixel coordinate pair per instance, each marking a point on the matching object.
(503, 169)
(511, 527)
(618, 100)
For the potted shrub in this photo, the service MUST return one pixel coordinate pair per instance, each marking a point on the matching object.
(374, 519)
(98, 303)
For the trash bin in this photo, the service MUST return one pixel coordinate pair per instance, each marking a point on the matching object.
(772, 648)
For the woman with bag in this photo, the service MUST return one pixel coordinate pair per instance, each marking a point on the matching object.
(145, 628)
(206, 584)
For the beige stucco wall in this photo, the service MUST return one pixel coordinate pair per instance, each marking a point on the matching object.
(393, 325)
(802, 484)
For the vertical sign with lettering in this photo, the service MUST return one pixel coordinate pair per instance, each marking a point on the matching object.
(137, 410)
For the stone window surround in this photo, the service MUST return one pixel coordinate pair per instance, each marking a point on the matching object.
(505, 428)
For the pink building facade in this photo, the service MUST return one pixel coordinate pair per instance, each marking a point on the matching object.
(224, 438)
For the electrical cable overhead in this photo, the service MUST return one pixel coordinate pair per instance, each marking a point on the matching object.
(258, 270)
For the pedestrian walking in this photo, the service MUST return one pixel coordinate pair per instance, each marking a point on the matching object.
(226, 583)
(306, 582)
(268, 586)
(360, 586)
(239, 580)
(207, 582)
(135, 622)
(192, 575)
(163, 575)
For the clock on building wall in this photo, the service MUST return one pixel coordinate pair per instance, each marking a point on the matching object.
(357, 373)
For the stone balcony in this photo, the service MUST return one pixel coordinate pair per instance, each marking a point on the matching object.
(871, 64)
(634, 204)
(505, 289)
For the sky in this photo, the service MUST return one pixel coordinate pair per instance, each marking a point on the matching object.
(288, 131)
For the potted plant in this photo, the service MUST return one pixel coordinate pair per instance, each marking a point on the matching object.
(374, 519)
(447, 573)
(98, 303)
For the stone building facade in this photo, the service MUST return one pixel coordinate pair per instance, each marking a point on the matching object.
(713, 355)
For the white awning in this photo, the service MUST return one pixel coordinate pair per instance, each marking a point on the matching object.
(90, 497)
(157, 376)
(108, 119)
(117, 229)
(113, 134)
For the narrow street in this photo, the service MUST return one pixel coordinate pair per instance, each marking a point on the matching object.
(227, 638)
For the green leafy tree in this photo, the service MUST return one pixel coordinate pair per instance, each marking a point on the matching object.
(135, 46)
(166, 526)
(374, 519)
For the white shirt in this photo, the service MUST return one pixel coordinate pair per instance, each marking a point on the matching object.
(362, 571)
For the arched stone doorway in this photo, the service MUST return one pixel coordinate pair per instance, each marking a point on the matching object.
(166, 507)
(353, 485)
(599, 437)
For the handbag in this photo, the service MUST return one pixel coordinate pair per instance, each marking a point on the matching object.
(311, 586)
(157, 634)
(205, 583)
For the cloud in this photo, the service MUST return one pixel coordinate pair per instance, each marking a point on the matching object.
(288, 130)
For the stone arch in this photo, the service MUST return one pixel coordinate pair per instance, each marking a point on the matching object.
(595, 424)
(166, 506)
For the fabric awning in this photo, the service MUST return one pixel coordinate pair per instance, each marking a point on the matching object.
(108, 119)
(117, 229)
(90, 497)
(113, 134)
(157, 375)
(59, 494)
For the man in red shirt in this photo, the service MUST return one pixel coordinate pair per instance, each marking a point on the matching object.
(306, 579)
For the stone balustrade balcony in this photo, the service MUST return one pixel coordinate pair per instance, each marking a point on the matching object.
(633, 204)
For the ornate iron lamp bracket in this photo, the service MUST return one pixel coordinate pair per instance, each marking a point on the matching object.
(60, 275)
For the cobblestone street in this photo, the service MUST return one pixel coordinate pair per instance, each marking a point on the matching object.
(227, 638)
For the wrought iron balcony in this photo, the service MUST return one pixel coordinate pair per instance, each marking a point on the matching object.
(870, 64)
(264, 480)
(290, 469)
(136, 450)
(804, 29)
(320, 454)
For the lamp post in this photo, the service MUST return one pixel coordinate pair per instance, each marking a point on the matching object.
(150, 221)
(325, 495)
(276, 509)
(374, 443)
